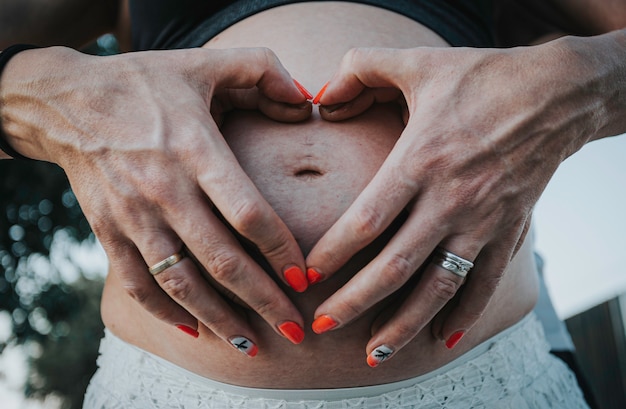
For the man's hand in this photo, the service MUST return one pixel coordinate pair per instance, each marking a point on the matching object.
(136, 136)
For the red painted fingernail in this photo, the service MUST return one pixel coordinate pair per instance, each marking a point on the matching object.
(188, 330)
(317, 98)
(296, 279)
(323, 323)
(454, 339)
(303, 90)
(244, 345)
(313, 276)
(292, 331)
(379, 355)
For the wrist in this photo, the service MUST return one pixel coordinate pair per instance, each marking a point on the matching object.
(601, 62)
(6, 147)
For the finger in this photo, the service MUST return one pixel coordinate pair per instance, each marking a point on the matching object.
(482, 283)
(389, 271)
(370, 214)
(249, 214)
(250, 67)
(221, 255)
(252, 99)
(436, 287)
(364, 68)
(359, 104)
(183, 283)
(127, 263)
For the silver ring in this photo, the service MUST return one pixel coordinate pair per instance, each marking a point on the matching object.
(164, 264)
(451, 262)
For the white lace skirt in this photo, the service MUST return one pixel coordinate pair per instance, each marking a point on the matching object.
(512, 370)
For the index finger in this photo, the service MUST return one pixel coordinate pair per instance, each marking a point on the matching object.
(389, 192)
(244, 68)
(247, 211)
(364, 68)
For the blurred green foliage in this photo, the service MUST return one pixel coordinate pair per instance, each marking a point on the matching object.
(57, 321)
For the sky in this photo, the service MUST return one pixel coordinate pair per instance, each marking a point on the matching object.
(581, 227)
(580, 230)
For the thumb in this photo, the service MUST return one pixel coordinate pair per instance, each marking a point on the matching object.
(246, 68)
(363, 68)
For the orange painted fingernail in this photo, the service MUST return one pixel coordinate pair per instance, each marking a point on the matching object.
(313, 276)
(188, 330)
(303, 90)
(379, 355)
(292, 331)
(244, 345)
(296, 279)
(317, 98)
(454, 339)
(323, 323)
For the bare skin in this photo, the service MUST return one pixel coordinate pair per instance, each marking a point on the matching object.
(43, 110)
(310, 173)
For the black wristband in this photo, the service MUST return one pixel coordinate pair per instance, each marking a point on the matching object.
(5, 56)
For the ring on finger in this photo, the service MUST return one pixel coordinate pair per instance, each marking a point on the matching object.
(166, 263)
(451, 262)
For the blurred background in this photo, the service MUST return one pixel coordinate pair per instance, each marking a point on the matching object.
(52, 270)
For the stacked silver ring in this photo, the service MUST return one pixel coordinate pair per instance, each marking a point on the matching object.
(451, 262)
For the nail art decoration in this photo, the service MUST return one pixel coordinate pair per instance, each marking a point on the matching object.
(244, 345)
(379, 355)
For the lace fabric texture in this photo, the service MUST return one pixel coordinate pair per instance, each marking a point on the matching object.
(517, 372)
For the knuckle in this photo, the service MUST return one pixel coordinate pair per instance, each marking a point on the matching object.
(397, 272)
(267, 306)
(137, 293)
(216, 321)
(248, 217)
(353, 56)
(159, 190)
(444, 287)
(368, 222)
(226, 268)
(349, 309)
(405, 331)
(267, 56)
(177, 286)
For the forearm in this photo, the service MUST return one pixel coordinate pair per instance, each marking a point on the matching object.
(600, 65)
(69, 22)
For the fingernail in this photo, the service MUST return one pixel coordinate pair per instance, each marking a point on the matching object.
(323, 323)
(313, 276)
(244, 345)
(379, 355)
(292, 331)
(332, 108)
(454, 339)
(296, 278)
(303, 90)
(317, 98)
(188, 330)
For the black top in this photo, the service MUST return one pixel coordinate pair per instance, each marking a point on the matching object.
(166, 24)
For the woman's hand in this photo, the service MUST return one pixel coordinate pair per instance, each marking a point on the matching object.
(148, 164)
(486, 131)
